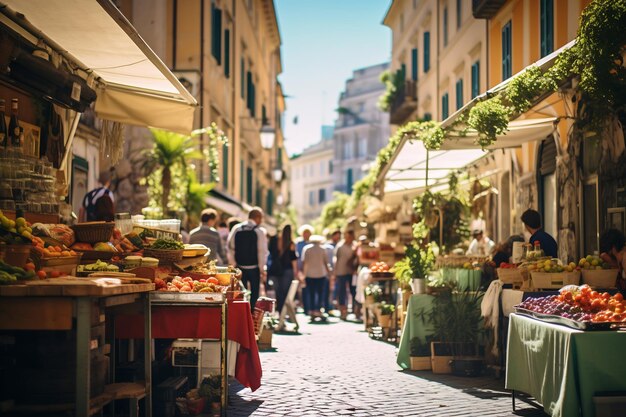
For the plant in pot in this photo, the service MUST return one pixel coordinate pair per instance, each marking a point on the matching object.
(415, 266)
(385, 313)
(265, 338)
(373, 293)
(457, 319)
(420, 354)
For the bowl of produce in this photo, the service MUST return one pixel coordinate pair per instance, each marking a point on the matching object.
(165, 250)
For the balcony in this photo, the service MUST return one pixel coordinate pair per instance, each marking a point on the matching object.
(486, 9)
(404, 103)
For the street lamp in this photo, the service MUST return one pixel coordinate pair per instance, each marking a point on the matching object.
(277, 174)
(268, 136)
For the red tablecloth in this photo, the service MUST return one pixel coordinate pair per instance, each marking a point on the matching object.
(172, 322)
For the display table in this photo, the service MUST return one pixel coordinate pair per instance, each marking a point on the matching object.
(172, 322)
(561, 367)
(65, 304)
(415, 325)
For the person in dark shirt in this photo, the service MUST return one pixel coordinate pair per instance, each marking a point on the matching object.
(532, 221)
(504, 250)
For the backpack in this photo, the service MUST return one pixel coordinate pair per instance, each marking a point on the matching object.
(246, 247)
(102, 209)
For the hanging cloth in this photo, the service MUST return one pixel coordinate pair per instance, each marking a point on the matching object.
(55, 148)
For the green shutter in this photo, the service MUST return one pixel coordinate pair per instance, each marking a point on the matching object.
(414, 64)
(459, 93)
(249, 90)
(249, 185)
(444, 107)
(279, 157)
(546, 21)
(349, 181)
(227, 53)
(426, 51)
(216, 33)
(241, 180)
(257, 197)
(270, 202)
(225, 166)
(243, 79)
(476, 79)
(263, 115)
(459, 14)
(506, 51)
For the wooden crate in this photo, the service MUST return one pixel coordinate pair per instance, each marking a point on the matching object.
(421, 363)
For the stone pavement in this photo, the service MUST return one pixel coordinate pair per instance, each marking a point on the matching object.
(335, 369)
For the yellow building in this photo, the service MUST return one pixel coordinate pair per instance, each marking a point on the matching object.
(228, 54)
(440, 50)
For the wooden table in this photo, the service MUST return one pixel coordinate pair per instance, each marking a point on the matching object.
(67, 304)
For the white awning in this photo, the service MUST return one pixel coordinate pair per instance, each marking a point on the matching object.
(134, 85)
(413, 164)
(519, 132)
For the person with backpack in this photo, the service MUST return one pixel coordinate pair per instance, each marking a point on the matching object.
(248, 244)
(98, 204)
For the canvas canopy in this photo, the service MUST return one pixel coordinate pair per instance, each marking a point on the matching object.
(133, 85)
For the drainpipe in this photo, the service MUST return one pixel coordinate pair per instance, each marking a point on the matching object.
(437, 99)
(202, 85)
(237, 62)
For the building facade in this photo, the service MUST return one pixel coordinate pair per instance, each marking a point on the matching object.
(228, 55)
(439, 57)
(311, 179)
(361, 128)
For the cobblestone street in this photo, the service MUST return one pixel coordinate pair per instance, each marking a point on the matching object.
(335, 369)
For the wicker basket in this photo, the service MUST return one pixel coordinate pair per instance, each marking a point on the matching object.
(165, 256)
(510, 275)
(600, 278)
(93, 232)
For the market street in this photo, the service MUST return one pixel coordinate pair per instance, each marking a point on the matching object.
(336, 369)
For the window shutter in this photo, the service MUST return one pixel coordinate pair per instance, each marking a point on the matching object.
(227, 53)
(241, 180)
(349, 180)
(414, 64)
(225, 165)
(243, 79)
(426, 51)
(216, 34)
(270, 202)
(476, 79)
(459, 94)
(249, 90)
(444, 106)
(459, 14)
(249, 185)
(445, 26)
(548, 156)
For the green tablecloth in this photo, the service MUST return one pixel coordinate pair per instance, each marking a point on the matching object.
(415, 325)
(563, 368)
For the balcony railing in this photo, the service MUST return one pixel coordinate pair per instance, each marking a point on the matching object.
(486, 9)
(404, 103)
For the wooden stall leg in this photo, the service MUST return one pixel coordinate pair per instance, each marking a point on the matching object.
(83, 363)
(147, 353)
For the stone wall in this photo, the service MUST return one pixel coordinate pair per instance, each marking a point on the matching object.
(130, 195)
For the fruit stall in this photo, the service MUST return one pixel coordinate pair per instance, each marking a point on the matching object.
(189, 302)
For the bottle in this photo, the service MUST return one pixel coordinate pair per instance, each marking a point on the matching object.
(15, 131)
(538, 250)
(3, 127)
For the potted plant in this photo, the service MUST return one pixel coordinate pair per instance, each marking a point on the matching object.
(420, 354)
(415, 266)
(456, 318)
(385, 313)
(373, 294)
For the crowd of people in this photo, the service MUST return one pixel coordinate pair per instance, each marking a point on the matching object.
(325, 266)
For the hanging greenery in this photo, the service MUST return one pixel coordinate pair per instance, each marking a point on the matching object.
(334, 212)
(489, 118)
(217, 138)
(392, 81)
(526, 87)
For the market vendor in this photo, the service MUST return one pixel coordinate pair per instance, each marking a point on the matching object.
(481, 245)
(532, 222)
(613, 252)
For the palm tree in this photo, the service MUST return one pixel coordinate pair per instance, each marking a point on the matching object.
(170, 149)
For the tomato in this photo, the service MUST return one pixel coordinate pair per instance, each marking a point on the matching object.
(618, 297)
(213, 280)
(596, 304)
(42, 274)
(55, 274)
(29, 266)
(593, 294)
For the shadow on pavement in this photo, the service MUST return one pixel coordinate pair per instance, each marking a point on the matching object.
(243, 407)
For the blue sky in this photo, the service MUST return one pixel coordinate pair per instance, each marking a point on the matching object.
(323, 41)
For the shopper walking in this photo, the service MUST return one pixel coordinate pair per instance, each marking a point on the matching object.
(99, 203)
(316, 270)
(305, 231)
(248, 244)
(288, 261)
(328, 296)
(345, 268)
(207, 235)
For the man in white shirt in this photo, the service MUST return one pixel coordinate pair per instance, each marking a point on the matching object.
(248, 244)
(316, 268)
(481, 245)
